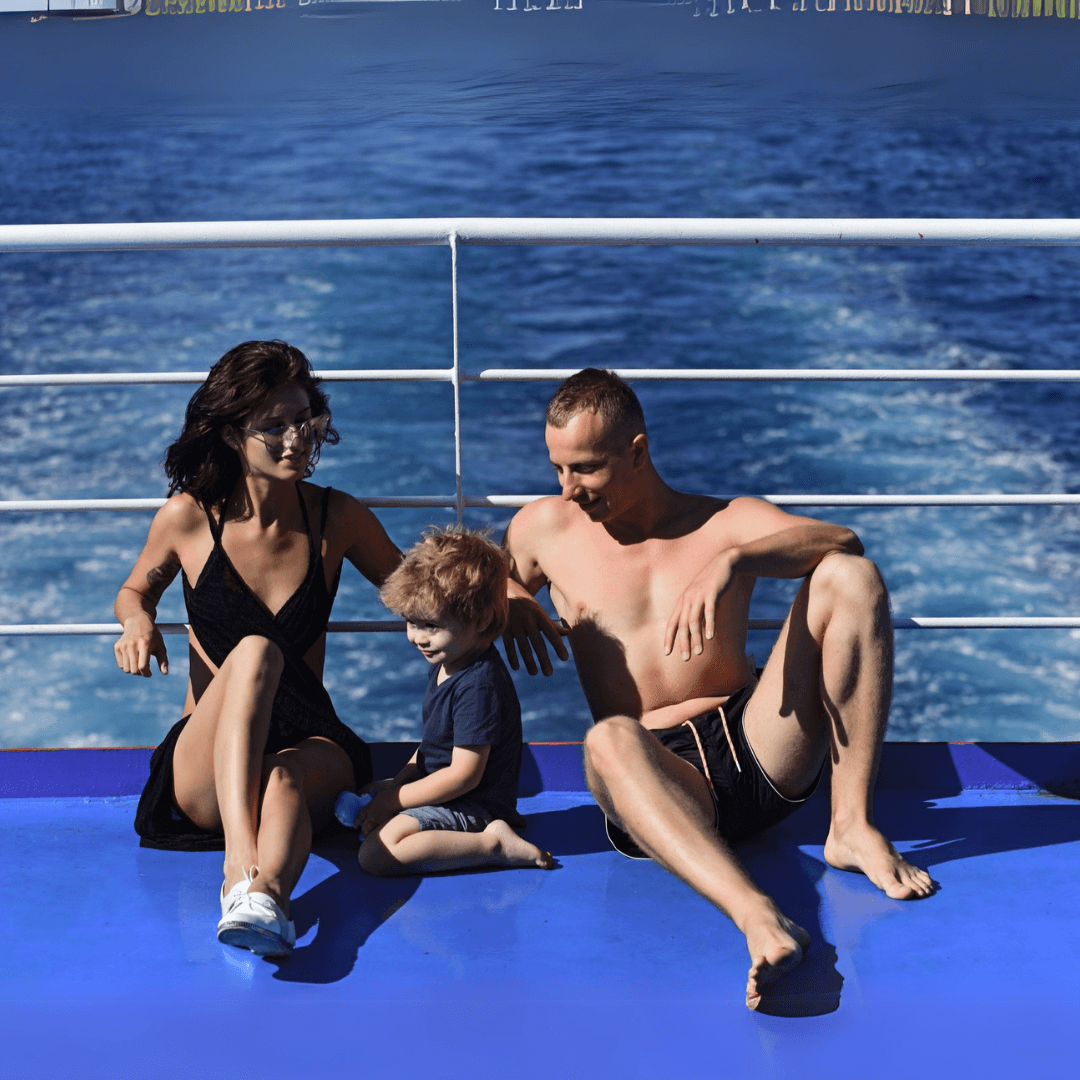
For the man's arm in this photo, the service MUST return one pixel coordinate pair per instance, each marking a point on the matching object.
(769, 543)
(528, 624)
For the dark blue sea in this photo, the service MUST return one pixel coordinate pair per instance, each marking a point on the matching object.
(427, 109)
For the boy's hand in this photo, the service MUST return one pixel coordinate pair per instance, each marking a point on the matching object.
(380, 810)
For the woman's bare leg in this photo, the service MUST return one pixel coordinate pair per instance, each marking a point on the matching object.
(218, 761)
(300, 786)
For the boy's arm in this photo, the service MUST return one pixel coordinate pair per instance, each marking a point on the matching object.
(409, 771)
(466, 768)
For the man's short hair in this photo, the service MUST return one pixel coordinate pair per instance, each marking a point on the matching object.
(452, 571)
(602, 392)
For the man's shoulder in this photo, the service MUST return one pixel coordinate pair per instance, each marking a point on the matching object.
(543, 520)
(548, 512)
(710, 508)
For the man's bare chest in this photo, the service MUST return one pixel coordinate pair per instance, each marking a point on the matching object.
(596, 579)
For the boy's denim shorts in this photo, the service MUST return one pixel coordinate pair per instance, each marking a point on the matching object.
(459, 815)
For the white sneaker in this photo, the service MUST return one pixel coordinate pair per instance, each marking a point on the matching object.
(256, 922)
(232, 898)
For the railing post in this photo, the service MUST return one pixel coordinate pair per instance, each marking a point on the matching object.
(459, 501)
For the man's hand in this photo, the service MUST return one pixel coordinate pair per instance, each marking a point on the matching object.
(379, 811)
(525, 631)
(141, 640)
(693, 621)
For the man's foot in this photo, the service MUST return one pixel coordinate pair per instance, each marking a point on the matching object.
(863, 849)
(514, 851)
(776, 946)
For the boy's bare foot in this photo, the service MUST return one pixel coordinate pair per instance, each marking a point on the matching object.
(514, 851)
(776, 946)
(865, 850)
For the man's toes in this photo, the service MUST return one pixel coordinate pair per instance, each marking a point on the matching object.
(912, 885)
(800, 935)
(765, 970)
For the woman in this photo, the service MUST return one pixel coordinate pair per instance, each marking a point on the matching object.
(259, 756)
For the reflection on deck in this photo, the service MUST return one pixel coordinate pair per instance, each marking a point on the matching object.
(603, 967)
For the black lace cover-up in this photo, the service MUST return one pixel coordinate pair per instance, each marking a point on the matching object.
(222, 610)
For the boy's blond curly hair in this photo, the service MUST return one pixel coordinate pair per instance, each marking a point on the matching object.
(452, 571)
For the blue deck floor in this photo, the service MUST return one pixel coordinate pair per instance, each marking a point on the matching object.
(602, 967)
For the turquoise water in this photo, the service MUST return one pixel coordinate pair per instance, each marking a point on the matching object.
(556, 121)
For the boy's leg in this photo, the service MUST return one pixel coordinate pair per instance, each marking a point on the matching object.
(400, 847)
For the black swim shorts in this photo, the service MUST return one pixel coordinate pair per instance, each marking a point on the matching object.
(743, 796)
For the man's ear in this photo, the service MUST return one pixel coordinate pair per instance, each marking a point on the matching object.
(639, 450)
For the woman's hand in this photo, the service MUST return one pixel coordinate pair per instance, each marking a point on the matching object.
(141, 640)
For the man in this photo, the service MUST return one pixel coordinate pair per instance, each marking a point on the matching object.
(691, 750)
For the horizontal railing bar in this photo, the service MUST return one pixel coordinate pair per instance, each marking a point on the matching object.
(19, 506)
(369, 626)
(976, 622)
(791, 374)
(156, 236)
(148, 378)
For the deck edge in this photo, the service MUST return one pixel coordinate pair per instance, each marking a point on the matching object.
(932, 769)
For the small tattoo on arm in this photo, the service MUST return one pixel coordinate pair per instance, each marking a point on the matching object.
(160, 577)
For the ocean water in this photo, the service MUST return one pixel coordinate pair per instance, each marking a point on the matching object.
(544, 121)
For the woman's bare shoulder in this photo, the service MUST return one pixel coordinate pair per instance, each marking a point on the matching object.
(180, 514)
(346, 514)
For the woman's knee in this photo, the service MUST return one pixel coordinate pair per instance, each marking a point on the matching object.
(258, 656)
(282, 777)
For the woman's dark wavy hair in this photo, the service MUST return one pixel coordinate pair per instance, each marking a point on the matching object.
(200, 462)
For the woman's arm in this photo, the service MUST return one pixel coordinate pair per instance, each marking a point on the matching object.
(365, 543)
(137, 601)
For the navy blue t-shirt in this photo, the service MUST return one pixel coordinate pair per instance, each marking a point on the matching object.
(477, 706)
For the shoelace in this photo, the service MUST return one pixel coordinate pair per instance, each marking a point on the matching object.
(235, 893)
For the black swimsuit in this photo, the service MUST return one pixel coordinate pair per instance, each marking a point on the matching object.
(222, 610)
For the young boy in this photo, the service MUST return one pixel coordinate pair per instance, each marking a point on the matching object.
(448, 806)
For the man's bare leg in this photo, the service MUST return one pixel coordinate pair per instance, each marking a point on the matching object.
(828, 683)
(665, 805)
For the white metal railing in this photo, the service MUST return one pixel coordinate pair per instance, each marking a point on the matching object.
(434, 232)
(453, 232)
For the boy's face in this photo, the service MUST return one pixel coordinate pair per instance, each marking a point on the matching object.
(445, 640)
